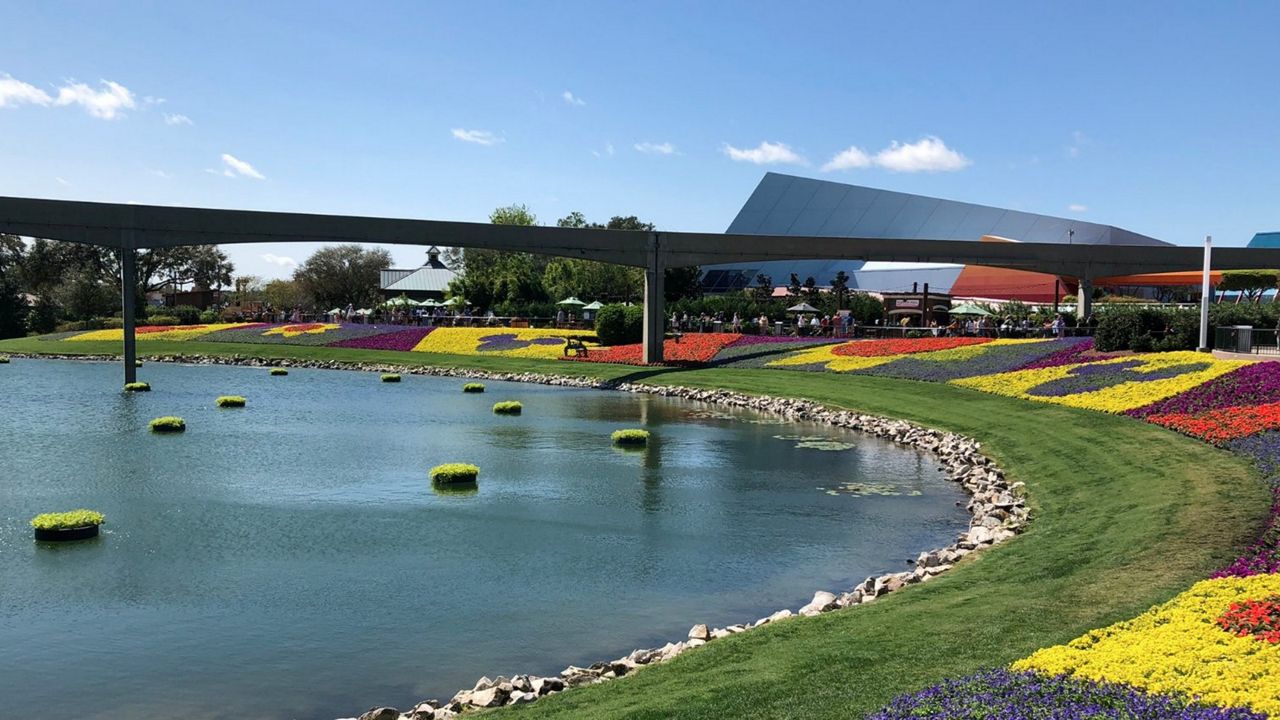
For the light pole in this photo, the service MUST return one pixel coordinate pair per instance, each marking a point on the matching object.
(1204, 296)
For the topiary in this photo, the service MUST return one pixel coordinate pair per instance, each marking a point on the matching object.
(473, 388)
(390, 377)
(230, 401)
(508, 407)
(137, 387)
(168, 424)
(67, 520)
(451, 473)
(620, 324)
(279, 371)
(631, 436)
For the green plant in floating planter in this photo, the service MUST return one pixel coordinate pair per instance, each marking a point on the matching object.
(230, 401)
(390, 377)
(67, 520)
(473, 388)
(4, 359)
(168, 424)
(632, 437)
(279, 371)
(454, 473)
(137, 387)
(137, 363)
(508, 407)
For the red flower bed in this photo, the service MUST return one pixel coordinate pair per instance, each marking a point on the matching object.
(692, 348)
(1260, 618)
(145, 329)
(904, 346)
(1219, 426)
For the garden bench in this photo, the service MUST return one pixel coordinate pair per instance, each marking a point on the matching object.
(576, 346)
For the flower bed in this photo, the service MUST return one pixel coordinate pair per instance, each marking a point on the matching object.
(691, 348)
(503, 342)
(903, 346)
(1252, 384)
(1005, 695)
(144, 333)
(1178, 647)
(1074, 352)
(1112, 386)
(997, 356)
(400, 340)
(299, 334)
(1220, 426)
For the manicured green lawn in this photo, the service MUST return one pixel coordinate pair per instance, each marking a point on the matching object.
(1126, 515)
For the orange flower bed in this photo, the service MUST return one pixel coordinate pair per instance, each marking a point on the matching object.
(691, 348)
(1219, 426)
(904, 346)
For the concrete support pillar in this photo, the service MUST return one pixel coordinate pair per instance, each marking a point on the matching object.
(654, 303)
(1084, 299)
(128, 305)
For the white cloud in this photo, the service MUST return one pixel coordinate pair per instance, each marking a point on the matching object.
(1078, 208)
(1078, 141)
(479, 137)
(649, 148)
(177, 119)
(14, 92)
(852, 158)
(106, 103)
(766, 153)
(929, 154)
(233, 166)
(572, 99)
(160, 174)
(63, 182)
(283, 261)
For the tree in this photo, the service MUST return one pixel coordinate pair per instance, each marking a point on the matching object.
(840, 288)
(764, 287)
(13, 306)
(342, 275)
(811, 290)
(794, 286)
(282, 294)
(1253, 283)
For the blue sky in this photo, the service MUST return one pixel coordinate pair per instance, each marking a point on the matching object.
(1157, 117)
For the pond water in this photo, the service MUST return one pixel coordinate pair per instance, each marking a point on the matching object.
(290, 559)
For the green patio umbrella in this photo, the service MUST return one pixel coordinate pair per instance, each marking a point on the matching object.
(593, 306)
(402, 300)
(454, 301)
(969, 309)
(571, 300)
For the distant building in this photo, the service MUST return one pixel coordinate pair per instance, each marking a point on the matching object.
(789, 205)
(428, 282)
(1265, 240)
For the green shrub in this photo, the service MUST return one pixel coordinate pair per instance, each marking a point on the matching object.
(390, 377)
(168, 424)
(508, 407)
(111, 323)
(230, 401)
(209, 317)
(450, 473)
(620, 324)
(632, 436)
(137, 387)
(1143, 329)
(163, 320)
(67, 520)
(279, 371)
(186, 314)
(473, 388)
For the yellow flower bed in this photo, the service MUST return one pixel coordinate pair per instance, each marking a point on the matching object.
(835, 363)
(302, 329)
(1114, 399)
(174, 332)
(1178, 647)
(500, 341)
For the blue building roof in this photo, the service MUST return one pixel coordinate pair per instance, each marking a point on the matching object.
(1265, 240)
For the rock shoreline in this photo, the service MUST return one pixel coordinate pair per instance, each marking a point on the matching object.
(998, 509)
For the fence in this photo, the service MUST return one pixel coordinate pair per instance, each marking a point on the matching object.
(1246, 339)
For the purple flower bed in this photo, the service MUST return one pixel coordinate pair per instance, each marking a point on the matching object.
(502, 342)
(1070, 355)
(993, 359)
(402, 340)
(255, 334)
(1088, 378)
(1005, 695)
(1255, 384)
(1263, 556)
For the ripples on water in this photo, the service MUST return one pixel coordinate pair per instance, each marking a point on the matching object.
(290, 559)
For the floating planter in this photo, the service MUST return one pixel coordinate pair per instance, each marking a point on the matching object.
(390, 377)
(279, 371)
(508, 407)
(4, 359)
(454, 473)
(632, 437)
(168, 424)
(473, 388)
(137, 387)
(230, 401)
(73, 525)
(137, 363)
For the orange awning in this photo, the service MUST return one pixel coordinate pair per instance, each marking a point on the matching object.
(1189, 277)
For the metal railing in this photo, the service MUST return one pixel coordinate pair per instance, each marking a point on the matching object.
(1246, 339)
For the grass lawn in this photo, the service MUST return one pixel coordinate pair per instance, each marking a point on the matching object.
(1126, 515)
